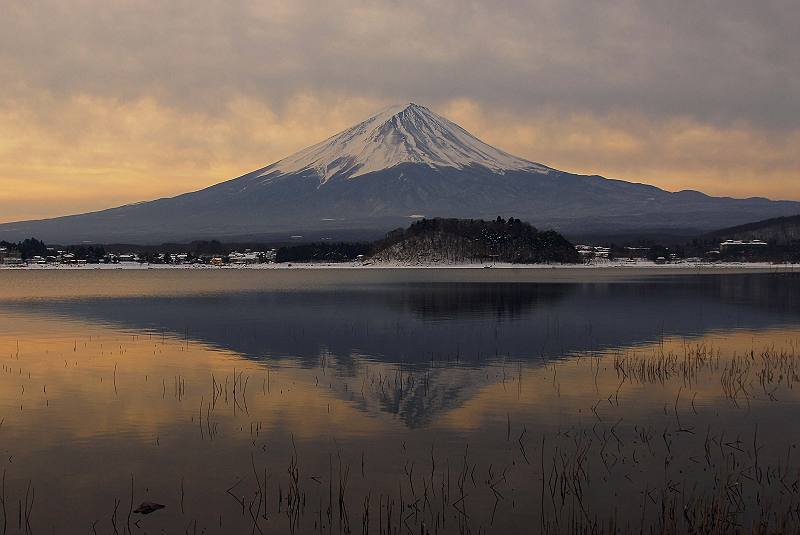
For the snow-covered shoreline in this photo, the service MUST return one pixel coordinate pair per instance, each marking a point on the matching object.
(679, 267)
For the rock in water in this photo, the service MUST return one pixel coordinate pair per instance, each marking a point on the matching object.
(145, 508)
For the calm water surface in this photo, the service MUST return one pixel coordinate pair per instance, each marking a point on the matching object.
(397, 402)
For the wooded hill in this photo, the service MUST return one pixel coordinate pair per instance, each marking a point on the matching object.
(779, 231)
(455, 241)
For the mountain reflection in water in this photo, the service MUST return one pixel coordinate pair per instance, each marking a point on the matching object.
(417, 323)
(195, 390)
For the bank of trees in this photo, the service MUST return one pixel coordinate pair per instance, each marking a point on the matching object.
(474, 240)
(322, 252)
(27, 248)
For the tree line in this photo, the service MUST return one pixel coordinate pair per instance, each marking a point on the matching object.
(461, 240)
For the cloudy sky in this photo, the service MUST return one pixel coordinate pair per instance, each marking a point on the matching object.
(104, 103)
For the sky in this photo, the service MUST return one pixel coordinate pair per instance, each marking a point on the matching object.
(106, 103)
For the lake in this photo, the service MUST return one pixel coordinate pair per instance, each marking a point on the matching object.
(398, 401)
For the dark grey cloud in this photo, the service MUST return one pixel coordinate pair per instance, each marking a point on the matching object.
(715, 60)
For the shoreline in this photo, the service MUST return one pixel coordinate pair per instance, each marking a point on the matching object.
(639, 268)
(400, 265)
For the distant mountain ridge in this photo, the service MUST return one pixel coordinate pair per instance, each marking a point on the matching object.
(401, 164)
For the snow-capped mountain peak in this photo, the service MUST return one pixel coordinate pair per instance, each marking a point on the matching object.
(408, 133)
(447, 173)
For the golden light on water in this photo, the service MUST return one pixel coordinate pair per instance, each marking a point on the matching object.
(144, 387)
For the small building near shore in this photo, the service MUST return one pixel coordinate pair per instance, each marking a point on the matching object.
(744, 250)
(10, 257)
(637, 253)
(590, 252)
(738, 245)
(247, 257)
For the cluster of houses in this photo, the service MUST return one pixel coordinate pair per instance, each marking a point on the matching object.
(738, 249)
(591, 252)
(11, 257)
(599, 252)
(742, 245)
(235, 258)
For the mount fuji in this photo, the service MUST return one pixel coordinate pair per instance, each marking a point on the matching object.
(404, 163)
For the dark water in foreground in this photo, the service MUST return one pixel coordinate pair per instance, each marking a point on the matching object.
(266, 402)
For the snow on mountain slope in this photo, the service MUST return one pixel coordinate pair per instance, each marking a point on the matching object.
(410, 162)
(397, 135)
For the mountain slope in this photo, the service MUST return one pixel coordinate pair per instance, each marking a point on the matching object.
(780, 230)
(400, 164)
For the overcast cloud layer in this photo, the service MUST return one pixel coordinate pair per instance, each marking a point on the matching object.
(103, 103)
